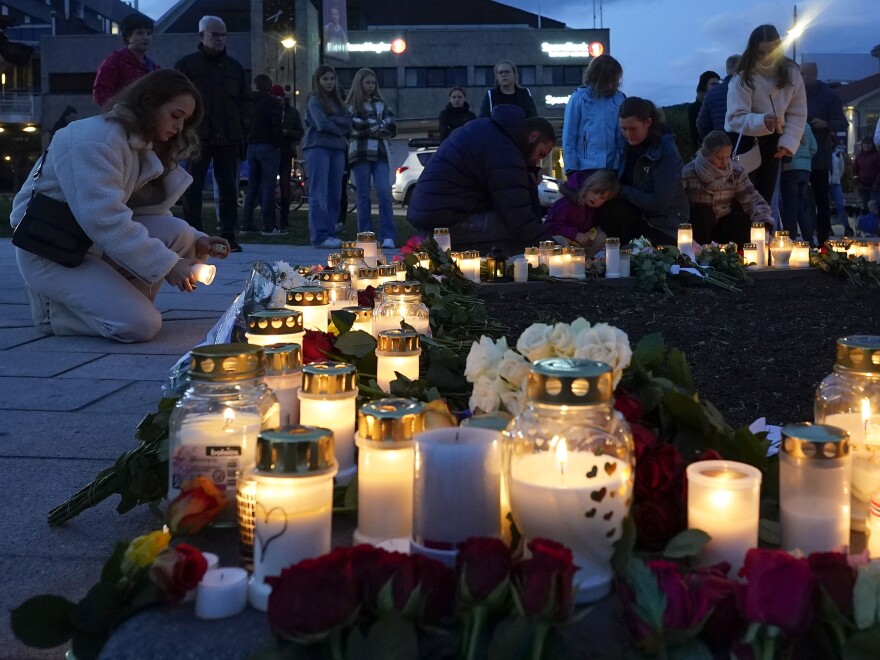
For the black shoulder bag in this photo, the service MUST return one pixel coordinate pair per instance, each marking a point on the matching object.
(50, 230)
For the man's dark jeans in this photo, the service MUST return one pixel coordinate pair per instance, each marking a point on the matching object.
(225, 159)
(820, 186)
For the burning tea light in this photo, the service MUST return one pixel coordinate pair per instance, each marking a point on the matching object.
(545, 249)
(284, 378)
(337, 283)
(441, 235)
(204, 273)
(311, 302)
(750, 254)
(800, 255)
(275, 326)
(758, 236)
(367, 277)
(401, 301)
(780, 249)
(557, 263)
(363, 318)
(398, 351)
(366, 241)
(424, 260)
(387, 273)
(686, 240)
(531, 256)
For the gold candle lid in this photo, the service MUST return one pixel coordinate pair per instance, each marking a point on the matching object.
(815, 441)
(861, 243)
(570, 382)
(368, 273)
(399, 341)
(407, 288)
(859, 353)
(750, 246)
(473, 254)
(361, 314)
(401, 266)
(283, 358)
(567, 249)
(496, 421)
(801, 244)
(226, 362)
(685, 225)
(275, 322)
(295, 451)
(757, 225)
(782, 233)
(334, 277)
(329, 378)
(422, 256)
(305, 271)
(352, 253)
(612, 240)
(348, 245)
(546, 244)
(333, 259)
(441, 231)
(366, 237)
(456, 256)
(307, 296)
(531, 252)
(624, 252)
(578, 252)
(387, 270)
(391, 420)
(556, 251)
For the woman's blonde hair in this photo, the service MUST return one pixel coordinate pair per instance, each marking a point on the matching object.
(713, 141)
(599, 182)
(512, 66)
(356, 97)
(135, 108)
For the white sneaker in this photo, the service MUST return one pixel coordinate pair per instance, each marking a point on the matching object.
(330, 243)
(388, 244)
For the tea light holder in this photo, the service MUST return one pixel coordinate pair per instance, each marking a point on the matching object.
(333, 259)
(780, 249)
(456, 490)
(531, 256)
(758, 236)
(348, 245)
(386, 458)
(458, 258)
(284, 378)
(337, 283)
(814, 488)
(578, 263)
(496, 267)
(294, 502)
(686, 240)
(872, 525)
(352, 260)
(363, 318)
(366, 241)
(424, 260)
(750, 254)
(545, 249)
(557, 263)
(800, 255)
(387, 273)
(328, 398)
(520, 269)
(367, 277)
(222, 593)
(612, 257)
(204, 273)
(401, 301)
(724, 501)
(401, 271)
(397, 351)
(312, 303)
(472, 265)
(444, 241)
(841, 246)
(566, 260)
(275, 326)
(625, 262)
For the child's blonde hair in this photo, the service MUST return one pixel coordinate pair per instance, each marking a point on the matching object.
(600, 181)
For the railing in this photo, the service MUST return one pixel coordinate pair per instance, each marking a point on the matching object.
(18, 106)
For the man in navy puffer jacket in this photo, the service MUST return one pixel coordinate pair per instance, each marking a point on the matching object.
(480, 186)
(714, 108)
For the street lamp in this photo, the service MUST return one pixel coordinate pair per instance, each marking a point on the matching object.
(290, 43)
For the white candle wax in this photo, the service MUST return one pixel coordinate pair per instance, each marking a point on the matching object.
(532, 260)
(579, 267)
(781, 257)
(293, 521)
(582, 512)
(219, 445)
(339, 415)
(457, 486)
(724, 501)
(269, 340)
(520, 270)
(204, 273)
(213, 562)
(286, 388)
(444, 241)
(625, 265)
(800, 257)
(385, 492)
(750, 256)
(686, 241)
(221, 593)
(382, 323)
(371, 252)
(814, 524)
(387, 363)
(612, 261)
(557, 265)
(566, 264)
(864, 437)
(314, 316)
(758, 236)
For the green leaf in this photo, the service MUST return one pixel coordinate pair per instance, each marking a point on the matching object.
(357, 343)
(650, 601)
(512, 639)
(98, 610)
(43, 622)
(679, 371)
(650, 350)
(862, 645)
(342, 320)
(693, 649)
(686, 410)
(688, 543)
(623, 547)
(351, 493)
(444, 378)
(112, 571)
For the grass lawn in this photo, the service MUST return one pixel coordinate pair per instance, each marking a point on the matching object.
(299, 226)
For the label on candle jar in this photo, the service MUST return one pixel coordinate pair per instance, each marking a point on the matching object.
(219, 463)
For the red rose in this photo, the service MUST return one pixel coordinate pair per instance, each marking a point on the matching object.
(177, 570)
(367, 297)
(725, 626)
(836, 576)
(628, 406)
(437, 588)
(483, 569)
(198, 504)
(710, 455)
(641, 632)
(316, 345)
(414, 244)
(780, 590)
(642, 438)
(544, 581)
(657, 472)
(312, 597)
(685, 607)
(389, 582)
(658, 520)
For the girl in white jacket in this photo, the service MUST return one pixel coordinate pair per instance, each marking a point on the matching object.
(766, 99)
(119, 174)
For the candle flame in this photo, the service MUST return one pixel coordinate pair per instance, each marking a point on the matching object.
(561, 454)
(866, 411)
(228, 419)
(165, 529)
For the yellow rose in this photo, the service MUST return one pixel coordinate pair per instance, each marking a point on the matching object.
(142, 551)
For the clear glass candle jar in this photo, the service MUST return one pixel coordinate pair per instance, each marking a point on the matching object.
(758, 236)
(424, 260)
(384, 438)
(367, 277)
(328, 398)
(293, 483)
(333, 259)
(531, 255)
(780, 249)
(337, 283)
(351, 260)
(284, 378)
(401, 301)
(569, 457)
(397, 351)
(387, 273)
(800, 255)
(274, 326)
(312, 302)
(686, 239)
(814, 479)
(214, 426)
(366, 241)
(557, 263)
(401, 271)
(545, 249)
(849, 398)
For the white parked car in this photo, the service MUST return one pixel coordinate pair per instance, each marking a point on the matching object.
(548, 191)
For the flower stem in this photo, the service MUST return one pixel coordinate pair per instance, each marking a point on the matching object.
(541, 632)
(335, 640)
(475, 630)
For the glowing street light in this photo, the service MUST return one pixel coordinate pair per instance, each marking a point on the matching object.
(288, 42)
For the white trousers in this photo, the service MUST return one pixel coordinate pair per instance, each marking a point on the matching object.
(99, 297)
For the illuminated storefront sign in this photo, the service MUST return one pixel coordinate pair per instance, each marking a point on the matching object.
(569, 49)
(552, 101)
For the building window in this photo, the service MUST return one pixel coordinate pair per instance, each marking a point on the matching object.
(436, 76)
(4, 10)
(385, 76)
(71, 83)
(114, 28)
(484, 76)
(563, 75)
(526, 75)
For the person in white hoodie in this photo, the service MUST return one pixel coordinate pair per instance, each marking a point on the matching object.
(766, 100)
(119, 174)
(838, 165)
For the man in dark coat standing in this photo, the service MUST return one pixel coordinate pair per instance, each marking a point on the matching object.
(221, 81)
(825, 114)
(291, 134)
(480, 185)
(714, 108)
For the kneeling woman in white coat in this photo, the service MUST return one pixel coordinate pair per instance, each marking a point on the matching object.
(119, 174)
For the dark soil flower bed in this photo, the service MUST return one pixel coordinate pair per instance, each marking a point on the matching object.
(760, 352)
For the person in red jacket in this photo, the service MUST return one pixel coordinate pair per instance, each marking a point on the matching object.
(866, 172)
(122, 67)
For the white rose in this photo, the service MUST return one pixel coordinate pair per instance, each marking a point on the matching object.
(514, 402)
(484, 396)
(579, 325)
(513, 368)
(483, 358)
(562, 340)
(279, 298)
(534, 343)
(605, 343)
